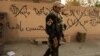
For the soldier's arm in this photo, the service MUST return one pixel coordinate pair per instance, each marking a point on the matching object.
(49, 20)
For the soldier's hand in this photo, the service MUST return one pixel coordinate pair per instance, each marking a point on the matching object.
(55, 42)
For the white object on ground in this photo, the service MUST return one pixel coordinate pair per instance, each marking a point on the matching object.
(11, 53)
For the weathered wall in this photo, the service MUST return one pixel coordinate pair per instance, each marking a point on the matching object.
(27, 20)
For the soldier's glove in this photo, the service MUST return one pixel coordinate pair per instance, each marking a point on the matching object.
(55, 44)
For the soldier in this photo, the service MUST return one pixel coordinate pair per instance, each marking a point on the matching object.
(54, 29)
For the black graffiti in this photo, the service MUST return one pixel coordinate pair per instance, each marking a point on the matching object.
(75, 17)
(67, 13)
(34, 28)
(94, 22)
(20, 28)
(92, 13)
(15, 27)
(77, 20)
(19, 11)
(43, 10)
(92, 17)
(70, 12)
(85, 22)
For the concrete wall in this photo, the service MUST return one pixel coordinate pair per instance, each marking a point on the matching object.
(27, 20)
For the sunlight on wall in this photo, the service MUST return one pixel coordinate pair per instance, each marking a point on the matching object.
(63, 2)
(83, 3)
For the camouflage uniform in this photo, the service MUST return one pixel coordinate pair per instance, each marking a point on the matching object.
(53, 29)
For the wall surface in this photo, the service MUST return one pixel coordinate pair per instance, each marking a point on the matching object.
(26, 20)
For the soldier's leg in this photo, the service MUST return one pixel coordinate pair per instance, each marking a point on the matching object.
(47, 52)
(51, 47)
(55, 50)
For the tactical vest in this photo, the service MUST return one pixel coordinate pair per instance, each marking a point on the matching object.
(56, 26)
